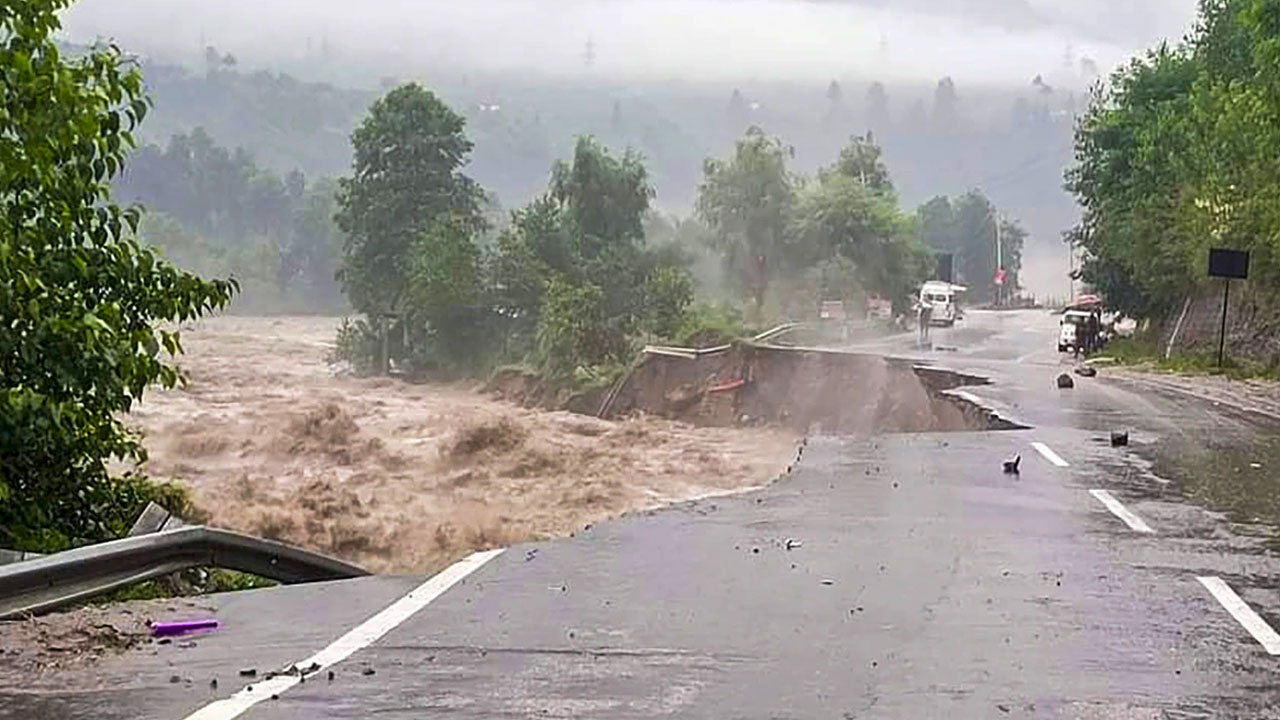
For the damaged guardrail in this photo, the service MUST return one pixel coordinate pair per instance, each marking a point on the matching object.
(53, 581)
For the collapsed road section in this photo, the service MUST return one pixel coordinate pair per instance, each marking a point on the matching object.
(811, 390)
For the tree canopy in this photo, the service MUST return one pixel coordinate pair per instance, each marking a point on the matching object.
(747, 202)
(82, 300)
(966, 228)
(215, 212)
(1179, 151)
(406, 175)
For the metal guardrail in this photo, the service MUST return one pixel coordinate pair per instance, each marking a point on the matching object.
(50, 582)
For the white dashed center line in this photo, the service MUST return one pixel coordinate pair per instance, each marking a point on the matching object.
(1049, 454)
(1134, 522)
(361, 636)
(1240, 610)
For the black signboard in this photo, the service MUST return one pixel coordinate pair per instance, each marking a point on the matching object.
(1225, 263)
(945, 272)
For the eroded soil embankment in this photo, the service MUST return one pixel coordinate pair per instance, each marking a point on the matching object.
(805, 390)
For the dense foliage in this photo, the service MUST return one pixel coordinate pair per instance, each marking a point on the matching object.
(82, 300)
(788, 243)
(966, 227)
(562, 286)
(1178, 152)
(406, 181)
(214, 211)
(1012, 142)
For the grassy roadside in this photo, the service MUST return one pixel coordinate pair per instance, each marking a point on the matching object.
(1143, 351)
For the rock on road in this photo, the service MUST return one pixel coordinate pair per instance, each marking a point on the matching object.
(900, 576)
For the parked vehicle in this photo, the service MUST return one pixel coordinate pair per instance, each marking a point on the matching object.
(943, 299)
(1080, 330)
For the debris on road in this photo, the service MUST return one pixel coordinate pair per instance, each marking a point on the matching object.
(1119, 439)
(792, 543)
(182, 627)
(1065, 382)
(1011, 466)
(1086, 371)
(249, 672)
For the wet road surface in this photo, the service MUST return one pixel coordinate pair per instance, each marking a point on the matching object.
(898, 576)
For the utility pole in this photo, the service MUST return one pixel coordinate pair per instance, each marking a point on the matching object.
(1071, 272)
(999, 257)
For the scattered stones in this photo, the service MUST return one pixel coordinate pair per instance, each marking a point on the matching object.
(249, 672)
(1119, 439)
(792, 543)
(1086, 371)
(1011, 467)
(175, 679)
(368, 671)
(1065, 382)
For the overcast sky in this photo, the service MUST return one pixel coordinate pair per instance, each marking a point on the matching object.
(975, 41)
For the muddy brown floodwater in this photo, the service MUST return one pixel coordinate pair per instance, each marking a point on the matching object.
(403, 477)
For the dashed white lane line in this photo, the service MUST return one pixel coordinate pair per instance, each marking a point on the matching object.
(361, 636)
(1049, 454)
(1134, 522)
(1240, 610)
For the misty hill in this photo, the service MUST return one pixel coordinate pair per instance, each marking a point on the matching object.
(938, 139)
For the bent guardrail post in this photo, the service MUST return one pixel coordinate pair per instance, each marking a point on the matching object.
(53, 581)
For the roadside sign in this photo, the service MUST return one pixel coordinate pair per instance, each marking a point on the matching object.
(831, 310)
(946, 264)
(1232, 264)
(1001, 274)
(1228, 265)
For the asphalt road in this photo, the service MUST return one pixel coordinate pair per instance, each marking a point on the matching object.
(898, 576)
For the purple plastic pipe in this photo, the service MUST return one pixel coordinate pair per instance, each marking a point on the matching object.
(181, 627)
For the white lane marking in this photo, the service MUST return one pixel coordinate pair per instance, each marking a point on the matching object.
(1049, 454)
(1240, 610)
(1134, 522)
(359, 637)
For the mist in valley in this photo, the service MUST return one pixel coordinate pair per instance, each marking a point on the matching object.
(961, 95)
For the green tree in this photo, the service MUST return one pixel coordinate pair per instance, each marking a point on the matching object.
(81, 298)
(407, 174)
(849, 222)
(668, 293)
(747, 202)
(586, 233)
(966, 228)
(861, 160)
(575, 332)
(449, 297)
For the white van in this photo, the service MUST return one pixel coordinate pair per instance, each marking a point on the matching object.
(1069, 331)
(944, 300)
